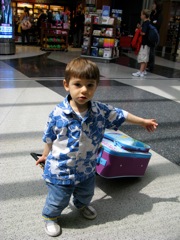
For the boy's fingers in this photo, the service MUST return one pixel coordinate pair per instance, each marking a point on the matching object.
(40, 161)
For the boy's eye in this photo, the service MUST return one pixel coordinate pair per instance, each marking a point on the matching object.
(77, 84)
(90, 85)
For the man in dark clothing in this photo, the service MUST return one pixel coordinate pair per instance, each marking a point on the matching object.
(155, 19)
(78, 29)
(41, 18)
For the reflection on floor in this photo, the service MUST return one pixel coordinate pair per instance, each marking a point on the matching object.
(158, 69)
(43, 66)
(38, 66)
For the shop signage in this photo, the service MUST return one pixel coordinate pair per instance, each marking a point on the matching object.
(6, 30)
(52, 2)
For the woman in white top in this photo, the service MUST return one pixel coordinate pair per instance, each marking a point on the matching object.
(25, 26)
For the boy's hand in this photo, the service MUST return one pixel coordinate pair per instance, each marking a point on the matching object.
(150, 124)
(41, 159)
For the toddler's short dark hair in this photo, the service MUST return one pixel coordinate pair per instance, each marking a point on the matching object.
(82, 68)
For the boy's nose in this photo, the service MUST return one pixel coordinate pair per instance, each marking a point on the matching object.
(84, 89)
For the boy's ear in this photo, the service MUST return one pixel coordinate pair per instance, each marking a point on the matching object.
(66, 85)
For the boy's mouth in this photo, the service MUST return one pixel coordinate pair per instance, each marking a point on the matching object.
(82, 97)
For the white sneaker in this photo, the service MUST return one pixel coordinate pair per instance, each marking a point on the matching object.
(145, 72)
(89, 212)
(52, 229)
(137, 74)
(142, 74)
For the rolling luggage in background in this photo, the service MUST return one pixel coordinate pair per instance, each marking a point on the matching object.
(122, 156)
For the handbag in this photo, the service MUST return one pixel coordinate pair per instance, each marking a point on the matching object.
(19, 28)
(25, 24)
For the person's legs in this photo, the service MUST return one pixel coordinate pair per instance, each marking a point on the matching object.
(79, 38)
(23, 36)
(83, 194)
(75, 39)
(27, 36)
(151, 59)
(143, 58)
(142, 67)
(39, 36)
(57, 199)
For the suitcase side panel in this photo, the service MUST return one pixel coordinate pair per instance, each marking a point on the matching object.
(122, 166)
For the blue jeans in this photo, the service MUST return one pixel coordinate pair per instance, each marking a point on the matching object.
(59, 196)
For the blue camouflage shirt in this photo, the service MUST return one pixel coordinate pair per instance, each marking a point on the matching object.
(75, 140)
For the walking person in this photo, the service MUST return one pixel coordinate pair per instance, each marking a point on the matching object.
(25, 26)
(72, 139)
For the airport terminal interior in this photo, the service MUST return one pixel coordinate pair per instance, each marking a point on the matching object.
(129, 208)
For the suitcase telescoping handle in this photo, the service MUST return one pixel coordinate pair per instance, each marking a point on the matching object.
(36, 157)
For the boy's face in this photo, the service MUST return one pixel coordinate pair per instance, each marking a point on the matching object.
(142, 16)
(81, 91)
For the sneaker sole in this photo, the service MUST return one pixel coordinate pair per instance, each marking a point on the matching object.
(90, 218)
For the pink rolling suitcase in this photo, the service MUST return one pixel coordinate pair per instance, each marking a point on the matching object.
(122, 156)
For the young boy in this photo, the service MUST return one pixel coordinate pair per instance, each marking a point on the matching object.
(72, 138)
(143, 55)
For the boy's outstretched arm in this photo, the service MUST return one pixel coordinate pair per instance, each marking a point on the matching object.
(149, 124)
(47, 149)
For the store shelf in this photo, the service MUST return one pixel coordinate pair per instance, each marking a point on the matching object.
(54, 39)
(172, 39)
(99, 39)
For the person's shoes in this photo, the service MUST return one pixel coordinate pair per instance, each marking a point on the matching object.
(89, 212)
(138, 74)
(145, 72)
(52, 229)
(142, 74)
